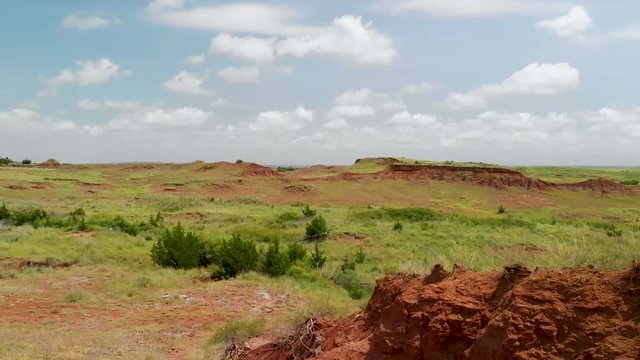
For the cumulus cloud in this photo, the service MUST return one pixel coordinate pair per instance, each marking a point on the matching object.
(180, 117)
(90, 72)
(573, 25)
(86, 104)
(195, 59)
(85, 22)
(254, 18)
(278, 121)
(249, 48)
(470, 8)
(187, 83)
(534, 79)
(238, 75)
(348, 38)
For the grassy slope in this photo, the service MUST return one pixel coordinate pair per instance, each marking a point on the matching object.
(558, 229)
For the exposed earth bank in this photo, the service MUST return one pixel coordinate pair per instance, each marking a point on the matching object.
(514, 314)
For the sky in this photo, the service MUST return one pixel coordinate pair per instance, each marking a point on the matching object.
(513, 82)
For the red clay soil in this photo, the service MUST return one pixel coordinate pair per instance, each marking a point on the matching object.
(517, 314)
(498, 178)
(259, 170)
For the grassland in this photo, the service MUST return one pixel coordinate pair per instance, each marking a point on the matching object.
(113, 301)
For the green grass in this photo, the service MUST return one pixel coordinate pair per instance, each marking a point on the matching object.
(441, 223)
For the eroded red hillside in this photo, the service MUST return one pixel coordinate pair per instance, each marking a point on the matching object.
(516, 314)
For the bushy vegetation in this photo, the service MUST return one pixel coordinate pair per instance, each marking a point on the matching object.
(26, 162)
(317, 229)
(308, 212)
(318, 258)
(178, 249)
(276, 262)
(235, 256)
(5, 161)
(630, 182)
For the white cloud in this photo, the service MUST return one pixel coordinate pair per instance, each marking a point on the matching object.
(337, 124)
(254, 18)
(237, 75)
(86, 104)
(408, 119)
(630, 33)
(535, 79)
(347, 38)
(365, 102)
(156, 5)
(85, 22)
(90, 72)
(418, 89)
(287, 69)
(572, 25)
(219, 102)
(188, 84)
(180, 117)
(195, 59)
(471, 8)
(248, 48)
(278, 121)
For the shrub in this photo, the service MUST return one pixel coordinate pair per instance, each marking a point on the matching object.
(296, 252)
(501, 209)
(276, 263)
(630, 182)
(82, 226)
(4, 212)
(177, 249)
(317, 229)
(156, 221)
(122, 225)
(5, 161)
(239, 161)
(28, 216)
(236, 256)
(360, 256)
(307, 212)
(397, 226)
(286, 168)
(26, 162)
(317, 257)
(76, 215)
(350, 281)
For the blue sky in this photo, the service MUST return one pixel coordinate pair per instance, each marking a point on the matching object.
(501, 81)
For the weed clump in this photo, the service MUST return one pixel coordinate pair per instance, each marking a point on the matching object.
(308, 212)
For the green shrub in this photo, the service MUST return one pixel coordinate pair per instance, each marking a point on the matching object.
(630, 182)
(4, 212)
(77, 215)
(5, 161)
(28, 216)
(178, 249)
(296, 252)
(308, 212)
(276, 263)
(26, 161)
(501, 209)
(317, 257)
(317, 229)
(350, 281)
(122, 225)
(286, 168)
(156, 221)
(397, 226)
(236, 256)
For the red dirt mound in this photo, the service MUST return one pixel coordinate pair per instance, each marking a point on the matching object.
(259, 170)
(49, 164)
(498, 178)
(516, 314)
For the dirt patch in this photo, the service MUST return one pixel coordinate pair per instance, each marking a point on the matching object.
(93, 186)
(259, 170)
(18, 263)
(16, 187)
(351, 238)
(514, 314)
(346, 176)
(49, 164)
(218, 165)
(298, 189)
(40, 185)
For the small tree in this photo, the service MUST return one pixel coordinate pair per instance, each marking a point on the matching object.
(236, 256)
(501, 209)
(307, 212)
(26, 161)
(5, 161)
(276, 263)
(317, 257)
(397, 226)
(317, 229)
(178, 249)
(296, 252)
(360, 256)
